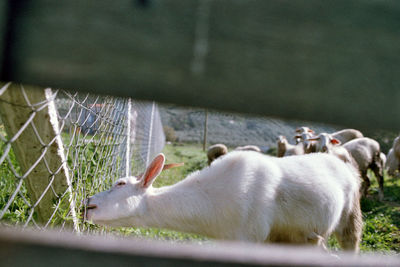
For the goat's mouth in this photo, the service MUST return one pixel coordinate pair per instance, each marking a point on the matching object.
(85, 213)
(91, 206)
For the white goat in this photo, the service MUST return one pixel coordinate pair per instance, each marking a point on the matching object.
(216, 151)
(365, 154)
(392, 163)
(396, 146)
(243, 196)
(304, 129)
(326, 143)
(346, 135)
(286, 149)
(383, 159)
(393, 158)
(306, 139)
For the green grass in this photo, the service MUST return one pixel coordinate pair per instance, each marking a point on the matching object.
(381, 219)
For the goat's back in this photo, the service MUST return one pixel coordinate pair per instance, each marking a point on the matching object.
(299, 193)
(364, 151)
(346, 135)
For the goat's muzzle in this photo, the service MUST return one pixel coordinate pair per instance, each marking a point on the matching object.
(87, 206)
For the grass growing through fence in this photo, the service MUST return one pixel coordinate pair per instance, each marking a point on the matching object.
(17, 212)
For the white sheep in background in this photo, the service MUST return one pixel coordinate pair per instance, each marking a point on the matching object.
(285, 149)
(244, 196)
(216, 151)
(324, 142)
(365, 154)
(396, 146)
(392, 163)
(383, 159)
(393, 158)
(346, 135)
(248, 148)
(305, 139)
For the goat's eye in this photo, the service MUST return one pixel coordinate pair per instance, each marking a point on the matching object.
(121, 183)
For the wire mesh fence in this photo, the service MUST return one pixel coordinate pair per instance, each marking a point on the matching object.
(58, 147)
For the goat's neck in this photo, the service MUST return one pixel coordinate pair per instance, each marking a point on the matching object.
(180, 207)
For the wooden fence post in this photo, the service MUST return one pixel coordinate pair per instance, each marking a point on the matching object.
(205, 130)
(31, 123)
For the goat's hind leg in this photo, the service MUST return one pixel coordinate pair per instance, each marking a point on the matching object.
(365, 184)
(349, 231)
(378, 171)
(317, 240)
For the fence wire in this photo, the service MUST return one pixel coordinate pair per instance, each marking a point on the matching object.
(58, 147)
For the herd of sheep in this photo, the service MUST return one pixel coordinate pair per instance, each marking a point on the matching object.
(349, 145)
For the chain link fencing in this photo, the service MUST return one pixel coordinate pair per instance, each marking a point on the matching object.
(58, 147)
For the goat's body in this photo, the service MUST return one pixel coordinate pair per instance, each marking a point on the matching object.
(252, 197)
(346, 135)
(366, 153)
(393, 158)
(248, 148)
(392, 163)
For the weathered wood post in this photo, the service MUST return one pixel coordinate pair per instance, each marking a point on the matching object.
(205, 130)
(30, 120)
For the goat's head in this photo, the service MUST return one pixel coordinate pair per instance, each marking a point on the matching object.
(281, 139)
(307, 139)
(304, 129)
(324, 142)
(124, 201)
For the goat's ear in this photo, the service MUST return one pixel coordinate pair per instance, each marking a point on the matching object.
(335, 141)
(153, 170)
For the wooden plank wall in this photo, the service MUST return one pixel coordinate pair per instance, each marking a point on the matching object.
(30, 248)
(336, 62)
(3, 31)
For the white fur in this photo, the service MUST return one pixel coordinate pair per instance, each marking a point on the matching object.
(392, 163)
(393, 158)
(242, 196)
(248, 148)
(383, 158)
